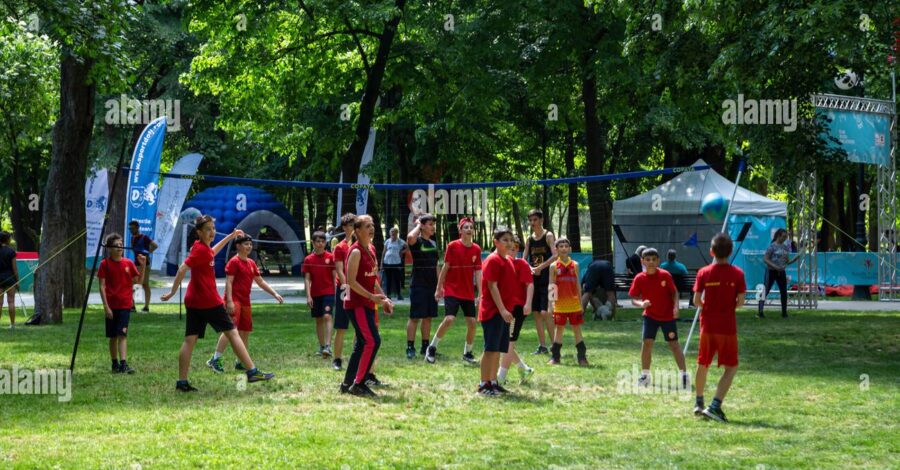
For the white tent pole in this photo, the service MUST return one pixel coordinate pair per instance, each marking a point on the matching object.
(737, 182)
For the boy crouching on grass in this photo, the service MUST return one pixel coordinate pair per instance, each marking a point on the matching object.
(719, 289)
(117, 277)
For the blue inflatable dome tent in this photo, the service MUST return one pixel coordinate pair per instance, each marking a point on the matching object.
(241, 207)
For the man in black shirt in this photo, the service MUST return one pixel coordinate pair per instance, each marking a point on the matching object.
(540, 252)
(423, 305)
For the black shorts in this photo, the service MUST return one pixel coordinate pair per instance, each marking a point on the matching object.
(341, 319)
(518, 319)
(539, 300)
(453, 304)
(198, 318)
(118, 324)
(7, 282)
(651, 326)
(322, 305)
(422, 303)
(496, 334)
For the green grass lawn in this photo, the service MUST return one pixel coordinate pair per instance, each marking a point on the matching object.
(798, 401)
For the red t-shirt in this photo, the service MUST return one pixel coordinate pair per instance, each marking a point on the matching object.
(523, 277)
(202, 292)
(502, 271)
(463, 261)
(366, 276)
(321, 273)
(244, 273)
(340, 256)
(119, 278)
(658, 289)
(721, 284)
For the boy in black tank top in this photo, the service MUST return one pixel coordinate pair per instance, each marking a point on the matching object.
(540, 253)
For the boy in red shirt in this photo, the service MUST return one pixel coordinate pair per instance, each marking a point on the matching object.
(498, 282)
(318, 269)
(204, 304)
(719, 289)
(522, 298)
(655, 292)
(117, 276)
(341, 317)
(240, 272)
(462, 263)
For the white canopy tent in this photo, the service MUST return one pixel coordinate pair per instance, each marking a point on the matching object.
(668, 216)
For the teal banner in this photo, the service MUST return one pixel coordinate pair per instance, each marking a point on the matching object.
(864, 136)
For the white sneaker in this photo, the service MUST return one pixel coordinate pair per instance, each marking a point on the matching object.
(643, 381)
(525, 374)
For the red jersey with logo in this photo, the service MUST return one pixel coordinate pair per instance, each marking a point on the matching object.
(463, 261)
(244, 272)
(567, 298)
(118, 279)
(720, 285)
(501, 270)
(322, 275)
(202, 292)
(366, 276)
(340, 256)
(524, 278)
(658, 289)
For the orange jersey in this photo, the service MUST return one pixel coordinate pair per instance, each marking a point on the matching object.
(567, 299)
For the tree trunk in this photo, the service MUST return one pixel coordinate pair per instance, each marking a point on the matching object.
(843, 219)
(598, 196)
(353, 157)
(26, 222)
(517, 220)
(60, 281)
(573, 230)
(322, 218)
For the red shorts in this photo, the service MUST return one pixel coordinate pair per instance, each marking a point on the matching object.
(725, 346)
(242, 317)
(574, 318)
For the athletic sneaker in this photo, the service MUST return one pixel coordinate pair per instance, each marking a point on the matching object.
(715, 414)
(525, 374)
(582, 361)
(430, 353)
(239, 366)
(553, 362)
(184, 386)
(124, 368)
(215, 364)
(470, 358)
(344, 388)
(336, 364)
(643, 381)
(410, 352)
(326, 353)
(486, 390)
(145, 310)
(499, 389)
(319, 352)
(361, 390)
(540, 350)
(423, 349)
(116, 369)
(372, 381)
(255, 375)
(698, 410)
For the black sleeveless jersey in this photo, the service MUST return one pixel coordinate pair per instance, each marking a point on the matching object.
(538, 252)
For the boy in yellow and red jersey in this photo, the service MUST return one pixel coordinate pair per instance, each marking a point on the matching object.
(565, 301)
